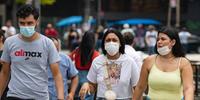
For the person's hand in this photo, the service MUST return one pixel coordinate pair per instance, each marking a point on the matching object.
(84, 90)
(70, 96)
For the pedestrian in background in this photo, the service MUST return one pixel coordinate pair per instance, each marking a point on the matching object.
(26, 57)
(9, 29)
(99, 35)
(126, 28)
(150, 38)
(168, 74)
(73, 40)
(50, 31)
(113, 74)
(68, 71)
(83, 57)
(129, 50)
(184, 36)
(139, 36)
(2, 39)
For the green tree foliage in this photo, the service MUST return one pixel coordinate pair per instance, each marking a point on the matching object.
(47, 2)
(193, 25)
(20, 1)
(43, 2)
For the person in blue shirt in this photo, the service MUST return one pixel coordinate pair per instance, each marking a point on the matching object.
(68, 71)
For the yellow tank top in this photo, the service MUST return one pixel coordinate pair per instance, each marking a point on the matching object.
(165, 85)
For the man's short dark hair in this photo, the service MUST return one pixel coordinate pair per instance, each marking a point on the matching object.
(27, 10)
(128, 37)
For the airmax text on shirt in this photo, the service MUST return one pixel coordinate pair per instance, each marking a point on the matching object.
(28, 53)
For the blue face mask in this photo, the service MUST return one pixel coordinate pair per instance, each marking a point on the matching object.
(27, 31)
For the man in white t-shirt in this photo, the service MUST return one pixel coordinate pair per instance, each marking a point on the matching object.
(150, 38)
(184, 35)
(129, 50)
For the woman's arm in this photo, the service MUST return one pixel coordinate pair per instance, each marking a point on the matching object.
(142, 84)
(187, 78)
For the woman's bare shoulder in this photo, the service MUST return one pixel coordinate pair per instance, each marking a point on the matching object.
(150, 58)
(184, 62)
(149, 61)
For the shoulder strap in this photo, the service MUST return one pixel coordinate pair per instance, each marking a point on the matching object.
(179, 62)
(155, 59)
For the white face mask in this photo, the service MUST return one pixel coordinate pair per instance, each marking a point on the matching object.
(112, 48)
(163, 50)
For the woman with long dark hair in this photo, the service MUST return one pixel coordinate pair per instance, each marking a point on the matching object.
(113, 75)
(83, 57)
(168, 74)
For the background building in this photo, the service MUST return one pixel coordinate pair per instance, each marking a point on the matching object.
(111, 10)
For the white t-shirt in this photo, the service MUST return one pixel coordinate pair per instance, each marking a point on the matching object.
(133, 54)
(184, 35)
(123, 76)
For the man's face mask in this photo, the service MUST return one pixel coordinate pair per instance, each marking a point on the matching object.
(27, 31)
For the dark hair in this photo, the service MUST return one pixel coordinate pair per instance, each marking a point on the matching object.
(53, 38)
(128, 38)
(2, 32)
(27, 10)
(86, 47)
(172, 33)
(70, 38)
(119, 35)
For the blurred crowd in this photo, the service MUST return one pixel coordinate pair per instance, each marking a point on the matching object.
(144, 35)
(102, 63)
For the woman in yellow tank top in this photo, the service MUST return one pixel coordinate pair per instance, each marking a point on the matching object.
(168, 74)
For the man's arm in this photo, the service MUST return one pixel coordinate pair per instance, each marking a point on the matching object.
(4, 76)
(58, 80)
(74, 84)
